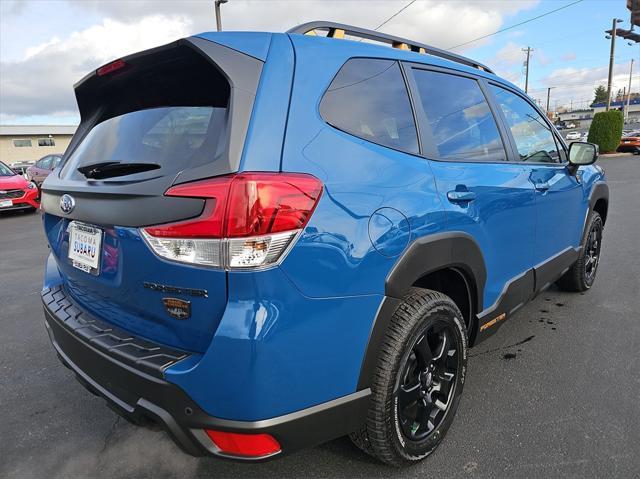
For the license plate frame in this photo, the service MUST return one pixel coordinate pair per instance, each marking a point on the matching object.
(80, 256)
(6, 203)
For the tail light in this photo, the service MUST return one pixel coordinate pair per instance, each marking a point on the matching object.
(244, 445)
(249, 220)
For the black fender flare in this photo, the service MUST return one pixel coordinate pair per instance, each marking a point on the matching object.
(454, 249)
(599, 191)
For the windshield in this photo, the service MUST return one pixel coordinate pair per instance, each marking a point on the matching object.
(170, 138)
(5, 170)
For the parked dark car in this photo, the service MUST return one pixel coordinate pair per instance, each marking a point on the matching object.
(45, 165)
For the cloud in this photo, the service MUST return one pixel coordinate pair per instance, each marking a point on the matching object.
(40, 83)
(577, 84)
(568, 57)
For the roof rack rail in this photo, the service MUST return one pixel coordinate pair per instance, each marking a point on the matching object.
(339, 30)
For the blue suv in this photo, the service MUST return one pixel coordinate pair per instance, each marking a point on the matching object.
(266, 241)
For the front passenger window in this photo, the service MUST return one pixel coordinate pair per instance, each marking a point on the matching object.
(532, 134)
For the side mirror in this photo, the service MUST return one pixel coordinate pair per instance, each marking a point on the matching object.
(582, 153)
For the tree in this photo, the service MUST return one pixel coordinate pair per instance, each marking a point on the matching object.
(606, 130)
(600, 95)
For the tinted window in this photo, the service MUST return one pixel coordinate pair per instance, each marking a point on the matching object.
(460, 121)
(5, 170)
(173, 137)
(56, 162)
(45, 163)
(368, 98)
(533, 136)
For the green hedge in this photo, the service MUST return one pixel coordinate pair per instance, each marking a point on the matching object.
(606, 130)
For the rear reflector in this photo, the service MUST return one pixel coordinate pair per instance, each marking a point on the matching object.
(111, 67)
(244, 445)
(249, 220)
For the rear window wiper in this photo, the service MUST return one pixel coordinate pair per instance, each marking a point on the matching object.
(111, 169)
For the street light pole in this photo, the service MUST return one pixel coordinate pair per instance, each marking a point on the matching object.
(626, 114)
(611, 58)
(217, 4)
(549, 97)
(526, 78)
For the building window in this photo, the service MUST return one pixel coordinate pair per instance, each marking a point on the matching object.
(21, 143)
(46, 142)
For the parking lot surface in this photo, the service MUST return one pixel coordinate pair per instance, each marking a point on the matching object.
(555, 393)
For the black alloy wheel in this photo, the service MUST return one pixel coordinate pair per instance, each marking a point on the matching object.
(592, 251)
(582, 274)
(418, 381)
(427, 384)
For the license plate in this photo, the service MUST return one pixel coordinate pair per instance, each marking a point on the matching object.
(5, 203)
(627, 142)
(85, 244)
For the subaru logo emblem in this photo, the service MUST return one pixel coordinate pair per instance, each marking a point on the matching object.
(67, 203)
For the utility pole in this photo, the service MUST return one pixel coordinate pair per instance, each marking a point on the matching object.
(549, 97)
(526, 64)
(217, 4)
(626, 113)
(611, 58)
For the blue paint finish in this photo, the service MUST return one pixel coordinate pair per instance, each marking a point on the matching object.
(277, 351)
(359, 177)
(501, 218)
(276, 341)
(559, 206)
(389, 231)
(117, 294)
(255, 44)
(263, 143)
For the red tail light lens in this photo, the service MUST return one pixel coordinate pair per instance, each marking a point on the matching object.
(262, 203)
(256, 215)
(245, 445)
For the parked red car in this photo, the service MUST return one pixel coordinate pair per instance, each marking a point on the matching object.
(45, 165)
(16, 193)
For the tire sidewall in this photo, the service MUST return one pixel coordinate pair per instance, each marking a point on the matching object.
(413, 451)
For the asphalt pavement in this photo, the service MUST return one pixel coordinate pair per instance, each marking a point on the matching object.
(555, 393)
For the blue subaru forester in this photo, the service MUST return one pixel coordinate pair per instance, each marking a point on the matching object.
(266, 241)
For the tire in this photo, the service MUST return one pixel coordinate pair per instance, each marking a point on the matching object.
(582, 273)
(426, 323)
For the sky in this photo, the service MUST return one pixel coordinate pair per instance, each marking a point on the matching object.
(48, 45)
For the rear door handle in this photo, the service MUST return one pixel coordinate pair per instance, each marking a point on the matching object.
(541, 186)
(461, 196)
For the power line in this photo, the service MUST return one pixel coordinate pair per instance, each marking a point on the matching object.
(516, 25)
(398, 13)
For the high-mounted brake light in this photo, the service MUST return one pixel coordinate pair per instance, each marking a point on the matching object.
(111, 67)
(249, 220)
(244, 445)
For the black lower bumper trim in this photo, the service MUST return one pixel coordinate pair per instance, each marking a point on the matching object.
(139, 397)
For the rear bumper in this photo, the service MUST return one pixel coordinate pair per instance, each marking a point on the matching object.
(141, 396)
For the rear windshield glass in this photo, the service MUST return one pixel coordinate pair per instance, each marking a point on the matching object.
(174, 138)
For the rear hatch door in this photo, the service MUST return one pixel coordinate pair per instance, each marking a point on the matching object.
(170, 115)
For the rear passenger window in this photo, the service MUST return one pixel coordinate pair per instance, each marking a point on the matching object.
(368, 98)
(533, 136)
(460, 122)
